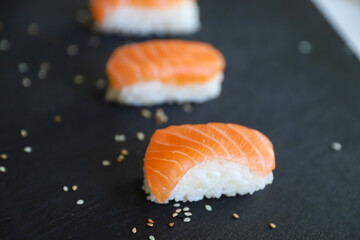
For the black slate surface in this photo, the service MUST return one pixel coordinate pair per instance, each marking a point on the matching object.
(302, 102)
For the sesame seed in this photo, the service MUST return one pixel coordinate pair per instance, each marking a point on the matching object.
(124, 152)
(178, 210)
(120, 158)
(79, 79)
(171, 224)
(4, 45)
(150, 224)
(160, 117)
(133, 230)
(26, 82)
(187, 219)
(2, 169)
(146, 113)
(33, 29)
(57, 118)
(235, 215)
(336, 146)
(65, 188)
(83, 17)
(72, 50)
(176, 205)
(304, 47)
(23, 133)
(150, 220)
(188, 214)
(140, 136)
(187, 107)
(74, 187)
(27, 149)
(208, 207)
(80, 202)
(148, 197)
(45, 66)
(42, 74)
(3, 156)
(186, 209)
(120, 138)
(151, 237)
(175, 214)
(272, 225)
(105, 163)
(94, 41)
(23, 67)
(100, 83)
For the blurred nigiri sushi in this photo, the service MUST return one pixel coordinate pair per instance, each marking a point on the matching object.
(144, 17)
(164, 71)
(188, 162)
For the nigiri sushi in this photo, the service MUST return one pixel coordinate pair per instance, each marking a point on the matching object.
(188, 162)
(144, 17)
(164, 71)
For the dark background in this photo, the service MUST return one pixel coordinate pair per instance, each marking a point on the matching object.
(301, 102)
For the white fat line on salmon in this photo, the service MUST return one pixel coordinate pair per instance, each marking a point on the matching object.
(171, 151)
(166, 160)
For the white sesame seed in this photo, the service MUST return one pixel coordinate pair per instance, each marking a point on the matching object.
(140, 136)
(80, 202)
(72, 50)
(3, 156)
(187, 219)
(23, 133)
(106, 163)
(79, 79)
(336, 146)
(83, 17)
(26, 82)
(4, 45)
(176, 205)
(146, 113)
(150, 224)
(171, 224)
(178, 210)
(120, 138)
(160, 116)
(188, 214)
(186, 209)
(100, 83)
(148, 197)
(2, 169)
(150, 220)
(65, 188)
(175, 214)
(45, 66)
(304, 47)
(42, 74)
(124, 152)
(74, 187)
(208, 207)
(120, 158)
(33, 29)
(235, 215)
(57, 118)
(133, 230)
(23, 67)
(272, 225)
(151, 237)
(28, 149)
(187, 107)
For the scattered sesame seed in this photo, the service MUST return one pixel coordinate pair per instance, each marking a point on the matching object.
(33, 29)
(80, 202)
(148, 197)
(94, 41)
(187, 107)
(72, 50)
(150, 224)
(188, 214)
(120, 158)
(79, 79)
(336, 146)
(3, 156)
(45, 66)
(42, 74)
(272, 225)
(187, 219)
(74, 187)
(186, 209)
(26, 82)
(4, 45)
(151, 237)
(65, 188)
(120, 138)
(2, 169)
(178, 210)
(23, 133)
(83, 17)
(208, 207)
(235, 215)
(140, 136)
(133, 230)
(23, 67)
(105, 163)
(146, 113)
(304, 47)
(176, 205)
(175, 214)
(100, 83)
(160, 116)
(58, 119)
(171, 224)
(150, 220)
(28, 149)
(124, 152)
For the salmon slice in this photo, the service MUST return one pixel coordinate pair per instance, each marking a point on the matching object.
(173, 151)
(176, 62)
(100, 8)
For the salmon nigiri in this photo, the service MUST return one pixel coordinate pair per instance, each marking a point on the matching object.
(144, 17)
(160, 71)
(188, 162)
